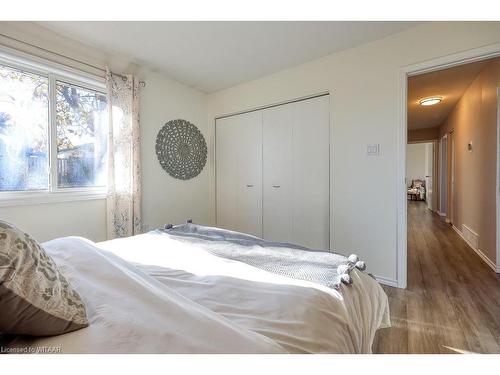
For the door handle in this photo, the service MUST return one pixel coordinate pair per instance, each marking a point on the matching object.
(276, 186)
(249, 185)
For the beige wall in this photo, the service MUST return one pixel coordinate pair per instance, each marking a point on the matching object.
(415, 162)
(363, 83)
(423, 135)
(474, 119)
(164, 199)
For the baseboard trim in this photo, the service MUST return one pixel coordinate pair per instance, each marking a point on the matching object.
(485, 259)
(386, 281)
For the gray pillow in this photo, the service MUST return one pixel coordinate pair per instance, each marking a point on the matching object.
(35, 298)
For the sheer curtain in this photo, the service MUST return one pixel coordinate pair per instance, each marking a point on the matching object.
(124, 174)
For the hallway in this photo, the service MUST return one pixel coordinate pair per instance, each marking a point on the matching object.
(452, 303)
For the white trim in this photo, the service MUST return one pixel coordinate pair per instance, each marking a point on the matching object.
(35, 64)
(459, 58)
(52, 134)
(386, 281)
(497, 191)
(275, 104)
(401, 188)
(28, 198)
(451, 173)
(483, 256)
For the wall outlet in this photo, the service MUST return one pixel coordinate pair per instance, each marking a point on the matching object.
(373, 149)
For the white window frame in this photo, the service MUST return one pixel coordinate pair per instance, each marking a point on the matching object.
(54, 72)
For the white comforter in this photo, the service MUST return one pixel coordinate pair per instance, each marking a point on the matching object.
(176, 298)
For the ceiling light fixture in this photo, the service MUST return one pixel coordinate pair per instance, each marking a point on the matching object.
(431, 101)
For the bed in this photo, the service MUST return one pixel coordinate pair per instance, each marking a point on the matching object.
(187, 290)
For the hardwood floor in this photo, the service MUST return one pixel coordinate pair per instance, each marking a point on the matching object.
(452, 303)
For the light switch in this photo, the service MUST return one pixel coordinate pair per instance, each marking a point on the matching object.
(372, 149)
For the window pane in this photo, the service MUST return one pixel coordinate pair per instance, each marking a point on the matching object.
(81, 120)
(24, 118)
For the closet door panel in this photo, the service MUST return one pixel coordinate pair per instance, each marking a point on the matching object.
(249, 174)
(227, 191)
(239, 173)
(277, 173)
(311, 176)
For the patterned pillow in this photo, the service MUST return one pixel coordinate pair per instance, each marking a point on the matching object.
(35, 298)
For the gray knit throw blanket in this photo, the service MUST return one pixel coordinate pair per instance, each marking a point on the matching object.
(322, 267)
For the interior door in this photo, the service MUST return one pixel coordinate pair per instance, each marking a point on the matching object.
(239, 173)
(311, 173)
(296, 167)
(277, 173)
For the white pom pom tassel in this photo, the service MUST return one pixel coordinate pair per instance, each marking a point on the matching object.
(360, 265)
(353, 258)
(342, 269)
(346, 279)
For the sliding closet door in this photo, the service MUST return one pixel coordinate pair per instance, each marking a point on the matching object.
(277, 177)
(311, 173)
(239, 173)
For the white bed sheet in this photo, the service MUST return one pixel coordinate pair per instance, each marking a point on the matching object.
(177, 298)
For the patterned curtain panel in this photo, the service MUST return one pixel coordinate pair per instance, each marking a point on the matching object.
(124, 174)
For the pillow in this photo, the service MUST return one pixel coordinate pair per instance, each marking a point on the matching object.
(35, 298)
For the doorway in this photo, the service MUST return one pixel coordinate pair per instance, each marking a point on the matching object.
(420, 173)
(430, 173)
(451, 279)
(406, 73)
(458, 106)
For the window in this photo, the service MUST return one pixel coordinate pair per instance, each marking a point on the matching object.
(81, 136)
(53, 130)
(24, 118)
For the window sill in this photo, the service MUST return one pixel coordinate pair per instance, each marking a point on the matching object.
(8, 199)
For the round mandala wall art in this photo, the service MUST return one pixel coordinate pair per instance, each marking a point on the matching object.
(181, 149)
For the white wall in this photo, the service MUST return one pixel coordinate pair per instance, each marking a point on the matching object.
(416, 158)
(164, 198)
(48, 221)
(363, 83)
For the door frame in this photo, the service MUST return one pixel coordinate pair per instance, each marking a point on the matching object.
(451, 173)
(443, 176)
(439, 63)
(498, 183)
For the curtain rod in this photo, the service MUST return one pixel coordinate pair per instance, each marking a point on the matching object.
(141, 83)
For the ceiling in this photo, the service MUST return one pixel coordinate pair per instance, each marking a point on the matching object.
(448, 83)
(211, 56)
